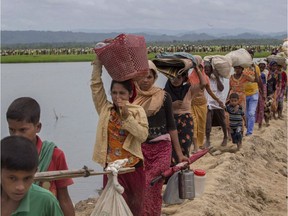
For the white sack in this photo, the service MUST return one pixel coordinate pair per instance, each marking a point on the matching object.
(240, 57)
(280, 59)
(285, 47)
(221, 63)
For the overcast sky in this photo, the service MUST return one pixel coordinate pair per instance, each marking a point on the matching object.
(70, 15)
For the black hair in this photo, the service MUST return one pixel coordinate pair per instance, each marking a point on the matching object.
(251, 51)
(184, 75)
(128, 85)
(18, 153)
(234, 95)
(24, 109)
(208, 64)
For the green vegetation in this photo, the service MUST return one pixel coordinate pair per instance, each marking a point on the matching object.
(85, 57)
(46, 58)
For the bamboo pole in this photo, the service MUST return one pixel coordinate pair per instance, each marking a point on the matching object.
(84, 172)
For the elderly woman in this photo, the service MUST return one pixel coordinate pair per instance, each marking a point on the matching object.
(157, 148)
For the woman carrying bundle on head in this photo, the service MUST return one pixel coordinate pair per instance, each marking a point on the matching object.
(182, 93)
(122, 127)
(199, 103)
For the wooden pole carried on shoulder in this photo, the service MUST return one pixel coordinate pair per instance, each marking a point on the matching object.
(84, 172)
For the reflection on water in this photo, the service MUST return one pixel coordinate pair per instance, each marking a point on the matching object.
(67, 112)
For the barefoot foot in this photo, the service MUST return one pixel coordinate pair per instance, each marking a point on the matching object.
(224, 142)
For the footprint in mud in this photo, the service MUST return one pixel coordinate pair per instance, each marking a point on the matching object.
(283, 172)
(218, 151)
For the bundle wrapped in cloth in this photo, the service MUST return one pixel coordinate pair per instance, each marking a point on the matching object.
(240, 57)
(174, 64)
(124, 57)
(285, 47)
(220, 63)
(279, 59)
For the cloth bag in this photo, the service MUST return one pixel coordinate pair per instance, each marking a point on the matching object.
(111, 202)
(220, 63)
(240, 57)
(285, 47)
(279, 59)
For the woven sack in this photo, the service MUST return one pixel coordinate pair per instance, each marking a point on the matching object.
(220, 63)
(125, 57)
(240, 57)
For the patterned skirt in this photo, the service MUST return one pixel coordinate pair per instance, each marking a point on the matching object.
(157, 158)
(184, 123)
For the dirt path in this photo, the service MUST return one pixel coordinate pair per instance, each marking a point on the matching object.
(252, 181)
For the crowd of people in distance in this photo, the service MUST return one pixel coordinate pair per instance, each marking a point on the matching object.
(150, 49)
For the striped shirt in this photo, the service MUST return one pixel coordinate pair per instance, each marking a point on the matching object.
(235, 118)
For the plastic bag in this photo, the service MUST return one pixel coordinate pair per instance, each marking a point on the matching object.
(111, 202)
(171, 193)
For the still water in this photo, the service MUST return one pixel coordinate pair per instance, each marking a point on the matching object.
(62, 90)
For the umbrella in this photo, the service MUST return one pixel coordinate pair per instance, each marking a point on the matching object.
(180, 166)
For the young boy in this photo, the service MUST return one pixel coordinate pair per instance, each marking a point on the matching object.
(19, 161)
(23, 117)
(236, 119)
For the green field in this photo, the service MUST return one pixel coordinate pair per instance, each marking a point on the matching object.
(83, 58)
(46, 58)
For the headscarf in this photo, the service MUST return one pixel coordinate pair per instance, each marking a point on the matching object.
(152, 99)
(272, 63)
(262, 61)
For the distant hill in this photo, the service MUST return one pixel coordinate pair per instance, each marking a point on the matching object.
(58, 37)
